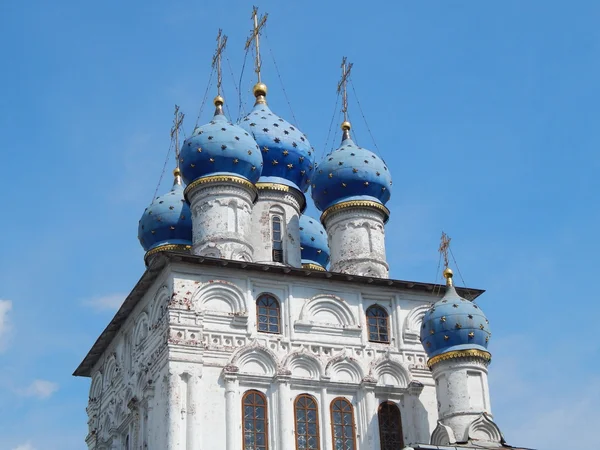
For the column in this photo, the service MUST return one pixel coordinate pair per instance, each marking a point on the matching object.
(326, 442)
(232, 404)
(370, 413)
(286, 436)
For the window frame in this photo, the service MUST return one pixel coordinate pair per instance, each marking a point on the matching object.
(277, 218)
(266, 418)
(269, 308)
(316, 409)
(378, 307)
(399, 424)
(353, 420)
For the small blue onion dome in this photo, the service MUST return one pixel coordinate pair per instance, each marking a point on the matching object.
(167, 223)
(313, 243)
(287, 155)
(454, 323)
(220, 148)
(350, 173)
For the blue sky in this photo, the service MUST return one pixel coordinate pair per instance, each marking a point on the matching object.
(486, 113)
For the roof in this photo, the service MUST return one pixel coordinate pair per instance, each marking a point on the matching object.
(164, 258)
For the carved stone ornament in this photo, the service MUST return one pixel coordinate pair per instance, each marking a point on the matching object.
(484, 429)
(442, 435)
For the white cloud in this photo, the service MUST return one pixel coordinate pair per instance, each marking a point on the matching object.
(5, 307)
(110, 302)
(41, 389)
(26, 446)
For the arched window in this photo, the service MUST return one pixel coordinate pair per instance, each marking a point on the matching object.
(254, 421)
(276, 232)
(342, 424)
(307, 423)
(268, 315)
(390, 427)
(378, 323)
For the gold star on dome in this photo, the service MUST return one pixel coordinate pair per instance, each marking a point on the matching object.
(458, 326)
(285, 153)
(446, 338)
(249, 152)
(443, 319)
(471, 335)
(343, 185)
(289, 166)
(481, 327)
(330, 175)
(319, 251)
(302, 172)
(366, 183)
(192, 165)
(235, 161)
(212, 160)
(265, 149)
(354, 170)
(274, 162)
(172, 227)
(431, 332)
(199, 149)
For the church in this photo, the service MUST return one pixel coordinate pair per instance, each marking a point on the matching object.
(257, 327)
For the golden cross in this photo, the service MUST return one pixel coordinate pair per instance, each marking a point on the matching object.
(216, 61)
(259, 24)
(175, 131)
(444, 247)
(343, 86)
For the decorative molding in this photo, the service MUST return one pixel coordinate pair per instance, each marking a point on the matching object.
(442, 435)
(216, 179)
(302, 364)
(346, 322)
(355, 204)
(412, 324)
(471, 353)
(485, 429)
(344, 369)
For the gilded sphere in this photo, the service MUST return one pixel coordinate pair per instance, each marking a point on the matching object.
(346, 125)
(259, 89)
(448, 272)
(177, 172)
(218, 101)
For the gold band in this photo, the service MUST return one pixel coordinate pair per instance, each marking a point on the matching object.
(472, 353)
(311, 266)
(356, 204)
(273, 186)
(167, 248)
(220, 179)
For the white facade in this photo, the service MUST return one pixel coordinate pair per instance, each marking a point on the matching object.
(356, 237)
(221, 217)
(174, 375)
(277, 202)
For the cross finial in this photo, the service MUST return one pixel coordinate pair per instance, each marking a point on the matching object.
(444, 248)
(259, 24)
(177, 121)
(343, 88)
(216, 61)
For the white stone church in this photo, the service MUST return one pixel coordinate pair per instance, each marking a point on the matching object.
(256, 327)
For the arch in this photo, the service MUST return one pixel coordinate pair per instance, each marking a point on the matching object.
(343, 432)
(391, 436)
(159, 304)
(141, 329)
(328, 309)
(442, 435)
(306, 423)
(391, 373)
(255, 360)
(413, 323)
(255, 421)
(378, 324)
(220, 296)
(304, 365)
(268, 313)
(110, 371)
(345, 370)
(96, 387)
(485, 429)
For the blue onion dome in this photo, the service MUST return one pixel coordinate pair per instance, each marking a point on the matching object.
(454, 324)
(220, 148)
(313, 244)
(287, 155)
(167, 223)
(350, 173)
